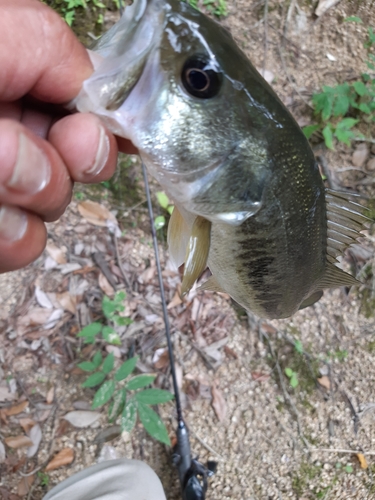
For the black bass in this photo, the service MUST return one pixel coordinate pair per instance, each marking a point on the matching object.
(250, 201)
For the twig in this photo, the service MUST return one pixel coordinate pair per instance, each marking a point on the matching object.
(339, 450)
(207, 446)
(99, 260)
(290, 80)
(119, 262)
(286, 394)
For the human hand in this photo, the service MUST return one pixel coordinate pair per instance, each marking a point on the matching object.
(41, 153)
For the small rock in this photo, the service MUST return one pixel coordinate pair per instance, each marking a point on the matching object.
(371, 164)
(360, 155)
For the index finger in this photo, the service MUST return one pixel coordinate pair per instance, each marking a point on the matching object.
(39, 54)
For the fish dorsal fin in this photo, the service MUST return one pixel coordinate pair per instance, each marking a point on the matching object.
(178, 237)
(211, 285)
(196, 253)
(345, 220)
(334, 277)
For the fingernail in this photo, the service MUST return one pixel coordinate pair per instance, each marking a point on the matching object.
(32, 171)
(102, 153)
(13, 223)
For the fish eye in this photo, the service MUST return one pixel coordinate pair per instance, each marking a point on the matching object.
(198, 80)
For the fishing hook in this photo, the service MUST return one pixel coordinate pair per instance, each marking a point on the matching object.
(192, 474)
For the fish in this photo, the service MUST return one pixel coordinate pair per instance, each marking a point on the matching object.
(250, 202)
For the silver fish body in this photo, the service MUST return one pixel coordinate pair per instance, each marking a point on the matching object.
(225, 148)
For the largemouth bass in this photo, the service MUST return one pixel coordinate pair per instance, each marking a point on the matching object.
(250, 201)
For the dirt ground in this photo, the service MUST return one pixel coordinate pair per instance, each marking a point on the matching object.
(271, 441)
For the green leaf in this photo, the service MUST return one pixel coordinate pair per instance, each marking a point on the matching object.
(97, 359)
(341, 106)
(365, 108)
(348, 469)
(170, 209)
(87, 366)
(294, 381)
(346, 123)
(353, 19)
(94, 379)
(117, 405)
(360, 88)
(159, 222)
(90, 330)
(153, 424)
(162, 199)
(108, 307)
(328, 136)
(309, 130)
(122, 320)
(298, 346)
(140, 381)
(111, 336)
(103, 394)
(153, 396)
(108, 363)
(288, 372)
(126, 369)
(119, 298)
(129, 416)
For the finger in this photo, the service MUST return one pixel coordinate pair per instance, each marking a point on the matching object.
(54, 62)
(87, 148)
(32, 174)
(22, 238)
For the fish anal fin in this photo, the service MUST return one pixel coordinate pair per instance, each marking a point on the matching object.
(197, 253)
(178, 237)
(211, 285)
(314, 297)
(334, 277)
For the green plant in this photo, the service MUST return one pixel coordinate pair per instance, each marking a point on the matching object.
(69, 8)
(43, 478)
(340, 108)
(164, 202)
(292, 375)
(111, 310)
(128, 398)
(217, 7)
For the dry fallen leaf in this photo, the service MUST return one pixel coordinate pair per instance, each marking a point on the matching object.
(2, 453)
(96, 214)
(67, 302)
(50, 395)
(106, 287)
(325, 382)
(324, 5)
(362, 460)
(27, 424)
(24, 485)
(6, 395)
(218, 403)
(176, 301)
(18, 441)
(57, 254)
(35, 435)
(16, 409)
(81, 418)
(259, 376)
(161, 358)
(64, 457)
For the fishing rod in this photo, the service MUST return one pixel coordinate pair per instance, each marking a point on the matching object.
(192, 474)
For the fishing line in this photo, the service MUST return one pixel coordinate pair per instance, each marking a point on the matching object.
(162, 295)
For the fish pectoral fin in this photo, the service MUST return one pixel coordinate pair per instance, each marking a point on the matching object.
(345, 220)
(334, 277)
(196, 253)
(314, 297)
(211, 285)
(178, 237)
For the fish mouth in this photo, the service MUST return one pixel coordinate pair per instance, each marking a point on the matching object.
(120, 55)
